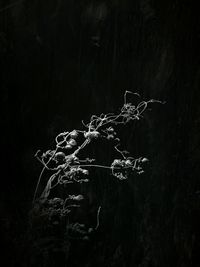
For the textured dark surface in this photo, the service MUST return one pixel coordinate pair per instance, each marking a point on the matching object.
(62, 61)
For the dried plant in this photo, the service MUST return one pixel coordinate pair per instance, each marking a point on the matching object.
(65, 165)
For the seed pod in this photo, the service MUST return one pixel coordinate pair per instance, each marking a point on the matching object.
(72, 142)
(74, 134)
(117, 162)
(91, 135)
(68, 147)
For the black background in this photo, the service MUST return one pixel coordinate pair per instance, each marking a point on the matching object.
(62, 61)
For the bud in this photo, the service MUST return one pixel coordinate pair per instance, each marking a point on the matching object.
(144, 160)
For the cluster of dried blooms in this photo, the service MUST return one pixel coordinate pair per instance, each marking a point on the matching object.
(66, 166)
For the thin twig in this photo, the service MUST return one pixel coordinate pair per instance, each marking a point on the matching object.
(98, 212)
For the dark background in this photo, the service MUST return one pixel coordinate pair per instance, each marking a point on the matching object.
(62, 61)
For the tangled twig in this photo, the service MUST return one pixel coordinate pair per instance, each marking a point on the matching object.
(67, 165)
